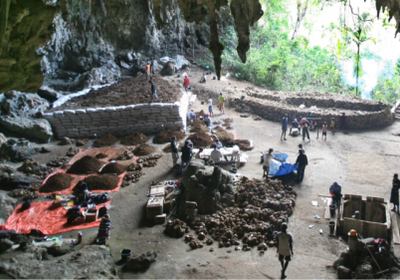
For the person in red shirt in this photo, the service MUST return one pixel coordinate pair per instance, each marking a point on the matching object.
(186, 82)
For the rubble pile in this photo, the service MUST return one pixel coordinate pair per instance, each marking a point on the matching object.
(176, 228)
(149, 161)
(260, 209)
(140, 263)
(58, 162)
(126, 155)
(29, 166)
(72, 152)
(25, 193)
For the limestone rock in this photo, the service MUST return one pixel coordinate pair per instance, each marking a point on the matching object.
(15, 103)
(169, 68)
(182, 62)
(17, 151)
(37, 129)
(3, 139)
(65, 141)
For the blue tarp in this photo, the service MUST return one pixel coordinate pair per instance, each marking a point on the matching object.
(281, 168)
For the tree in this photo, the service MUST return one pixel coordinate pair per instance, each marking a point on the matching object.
(301, 13)
(359, 34)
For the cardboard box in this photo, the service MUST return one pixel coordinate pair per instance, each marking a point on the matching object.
(155, 206)
(157, 190)
(160, 219)
(92, 215)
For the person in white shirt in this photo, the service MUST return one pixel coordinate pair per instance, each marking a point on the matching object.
(210, 106)
(216, 155)
(284, 244)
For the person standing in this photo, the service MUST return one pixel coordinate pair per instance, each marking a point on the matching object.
(284, 126)
(336, 191)
(332, 126)
(304, 127)
(303, 162)
(175, 152)
(221, 100)
(147, 71)
(154, 93)
(152, 65)
(342, 121)
(394, 194)
(210, 106)
(186, 155)
(186, 83)
(267, 162)
(284, 244)
(324, 130)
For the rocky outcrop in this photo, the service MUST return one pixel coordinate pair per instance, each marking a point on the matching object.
(7, 205)
(16, 151)
(20, 112)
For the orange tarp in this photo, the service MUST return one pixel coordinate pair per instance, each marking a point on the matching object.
(44, 217)
(78, 178)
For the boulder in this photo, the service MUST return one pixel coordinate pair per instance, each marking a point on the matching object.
(163, 60)
(38, 129)
(169, 68)
(182, 62)
(140, 263)
(48, 93)
(3, 139)
(5, 244)
(7, 205)
(17, 151)
(65, 141)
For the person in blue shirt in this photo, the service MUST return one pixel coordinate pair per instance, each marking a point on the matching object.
(191, 115)
(284, 127)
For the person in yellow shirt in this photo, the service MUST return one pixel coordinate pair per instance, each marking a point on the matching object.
(221, 100)
(332, 125)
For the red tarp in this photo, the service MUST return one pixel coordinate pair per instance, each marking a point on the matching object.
(44, 217)
(78, 178)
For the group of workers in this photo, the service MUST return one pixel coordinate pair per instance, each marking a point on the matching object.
(304, 124)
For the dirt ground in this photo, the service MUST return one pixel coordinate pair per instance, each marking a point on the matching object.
(363, 162)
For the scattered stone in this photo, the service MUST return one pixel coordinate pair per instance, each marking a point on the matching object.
(72, 152)
(5, 244)
(58, 162)
(140, 263)
(81, 142)
(42, 150)
(65, 141)
(176, 228)
(7, 205)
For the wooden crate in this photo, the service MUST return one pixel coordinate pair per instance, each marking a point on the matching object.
(155, 206)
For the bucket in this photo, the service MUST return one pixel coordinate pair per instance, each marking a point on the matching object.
(125, 254)
(332, 208)
(331, 227)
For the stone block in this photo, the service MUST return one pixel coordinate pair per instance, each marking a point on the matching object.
(80, 111)
(69, 112)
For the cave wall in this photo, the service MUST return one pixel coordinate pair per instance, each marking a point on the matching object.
(25, 25)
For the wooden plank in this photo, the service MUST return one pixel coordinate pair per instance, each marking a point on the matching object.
(327, 214)
(395, 228)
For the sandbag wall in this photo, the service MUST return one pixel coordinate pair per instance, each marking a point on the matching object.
(356, 119)
(119, 121)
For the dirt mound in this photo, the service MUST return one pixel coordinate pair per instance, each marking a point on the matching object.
(222, 134)
(167, 148)
(134, 139)
(200, 114)
(57, 182)
(86, 165)
(200, 140)
(102, 182)
(144, 150)
(113, 168)
(199, 128)
(165, 136)
(126, 91)
(244, 144)
(106, 140)
(195, 122)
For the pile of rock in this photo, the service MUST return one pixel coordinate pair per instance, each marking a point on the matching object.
(16, 150)
(176, 228)
(29, 166)
(140, 263)
(149, 161)
(58, 162)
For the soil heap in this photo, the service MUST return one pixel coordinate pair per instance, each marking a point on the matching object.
(244, 144)
(57, 182)
(113, 168)
(199, 128)
(222, 134)
(134, 139)
(105, 140)
(168, 149)
(165, 136)
(102, 182)
(86, 165)
(127, 91)
(144, 150)
(200, 140)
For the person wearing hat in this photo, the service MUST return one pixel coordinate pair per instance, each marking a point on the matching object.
(186, 155)
(186, 82)
(284, 244)
(174, 150)
(302, 162)
(221, 100)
